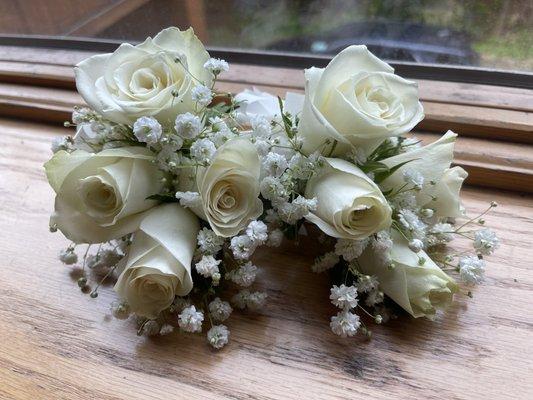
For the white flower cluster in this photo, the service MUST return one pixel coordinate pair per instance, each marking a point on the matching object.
(350, 249)
(216, 66)
(95, 133)
(284, 170)
(190, 320)
(188, 125)
(68, 256)
(233, 253)
(220, 310)
(218, 336)
(471, 269)
(382, 245)
(325, 262)
(208, 267)
(345, 323)
(181, 147)
(62, 143)
(202, 95)
(414, 178)
(147, 130)
(485, 242)
(196, 180)
(251, 300)
(244, 275)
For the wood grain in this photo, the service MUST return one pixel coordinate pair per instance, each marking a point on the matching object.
(60, 344)
(56, 65)
(492, 164)
(495, 164)
(473, 110)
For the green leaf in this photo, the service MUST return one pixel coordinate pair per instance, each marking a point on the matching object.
(387, 192)
(280, 102)
(287, 122)
(385, 150)
(380, 176)
(372, 166)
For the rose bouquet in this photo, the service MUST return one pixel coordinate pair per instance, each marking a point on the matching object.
(172, 186)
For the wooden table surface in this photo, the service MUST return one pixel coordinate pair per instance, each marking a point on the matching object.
(60, 344)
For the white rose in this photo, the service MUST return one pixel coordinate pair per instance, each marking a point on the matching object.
(101, 196)
(350, 204)
(143, 80)
(420, 290)
(440, 181)
(357, 100)
(447, 201)
(229, 188)
(255, 102)
(158, 266)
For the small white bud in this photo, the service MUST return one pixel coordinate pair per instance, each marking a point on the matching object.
(427, 212)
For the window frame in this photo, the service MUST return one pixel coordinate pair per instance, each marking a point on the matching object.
(440, 72)
(495, 123)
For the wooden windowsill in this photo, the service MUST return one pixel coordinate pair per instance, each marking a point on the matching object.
(60, 343)
(495, 124)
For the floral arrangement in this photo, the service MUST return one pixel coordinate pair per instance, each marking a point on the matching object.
(172, 186)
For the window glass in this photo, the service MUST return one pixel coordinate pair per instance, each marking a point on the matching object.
(486, 33)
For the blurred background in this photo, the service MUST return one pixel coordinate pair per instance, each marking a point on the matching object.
(487, 33)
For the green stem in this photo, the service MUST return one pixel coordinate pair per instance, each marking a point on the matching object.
(335, 142)
(85, 258)
(472, 219)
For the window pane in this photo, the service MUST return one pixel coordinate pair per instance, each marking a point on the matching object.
(486, 33)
